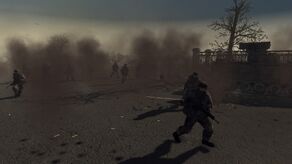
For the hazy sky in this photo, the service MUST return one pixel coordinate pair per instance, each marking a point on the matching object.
(108, 19)
(150, 10)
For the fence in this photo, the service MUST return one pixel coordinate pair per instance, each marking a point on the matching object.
(209, 57)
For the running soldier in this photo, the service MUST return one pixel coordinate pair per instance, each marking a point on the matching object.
(17, 83)
(196, 105)
(124, 72)
(115, 70)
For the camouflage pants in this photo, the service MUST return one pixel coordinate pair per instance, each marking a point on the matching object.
(190, 122)
(17, 89)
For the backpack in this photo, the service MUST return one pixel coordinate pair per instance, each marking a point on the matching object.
(22, 78)
(192, 101)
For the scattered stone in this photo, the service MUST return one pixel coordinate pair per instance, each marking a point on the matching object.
(41, 154)
(113, 151)
(79, 143)
(24, 140)
(64, 144)
(57, 135)
(74, 136)
(81, 155)
(119, 158)
(56, 161)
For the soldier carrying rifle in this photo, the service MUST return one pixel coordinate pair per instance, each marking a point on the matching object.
(17, 83)
(197, 109)
(197, 104)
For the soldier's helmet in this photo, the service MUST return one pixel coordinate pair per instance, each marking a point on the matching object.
(194, 76)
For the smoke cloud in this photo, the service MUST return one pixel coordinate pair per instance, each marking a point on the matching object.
(282, 39)
(167, 55)
(58, 59)
(62, 58)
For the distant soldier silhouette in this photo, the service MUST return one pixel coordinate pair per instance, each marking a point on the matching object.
(124, 72)
(115, 70)
(197, 101)
(69, 73)
(17, 83)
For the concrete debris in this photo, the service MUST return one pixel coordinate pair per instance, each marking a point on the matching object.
(74, 136)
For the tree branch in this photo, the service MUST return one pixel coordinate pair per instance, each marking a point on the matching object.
(237, 25)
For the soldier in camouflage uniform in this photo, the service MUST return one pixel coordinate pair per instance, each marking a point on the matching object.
(196, 100)
(124, 72)
(17, 83)
(115, 70)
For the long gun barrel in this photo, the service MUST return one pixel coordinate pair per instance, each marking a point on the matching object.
(180, 102)
(211, 116)
(5, 83)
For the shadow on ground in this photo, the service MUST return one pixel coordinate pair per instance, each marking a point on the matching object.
(163, 149)
(91, 97)
(152, 113)
(7, 98)
(178, 93)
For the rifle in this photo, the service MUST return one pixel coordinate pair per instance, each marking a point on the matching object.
(211, 116)
(5, 83)
(9, 85)
(180, 102)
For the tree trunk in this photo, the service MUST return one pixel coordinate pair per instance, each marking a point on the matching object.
(232, 33)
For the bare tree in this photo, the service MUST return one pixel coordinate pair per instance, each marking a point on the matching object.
(236, 26)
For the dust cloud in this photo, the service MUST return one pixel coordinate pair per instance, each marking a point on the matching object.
(63, 58)
(282, 39)
(166, 55)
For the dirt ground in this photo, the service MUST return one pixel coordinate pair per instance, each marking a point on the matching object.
(107, 122)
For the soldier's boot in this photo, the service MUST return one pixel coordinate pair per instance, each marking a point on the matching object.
(208, 143)
(176, 137)
(19, 93)
(15, 90)
(20, 88)
(207, 134)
